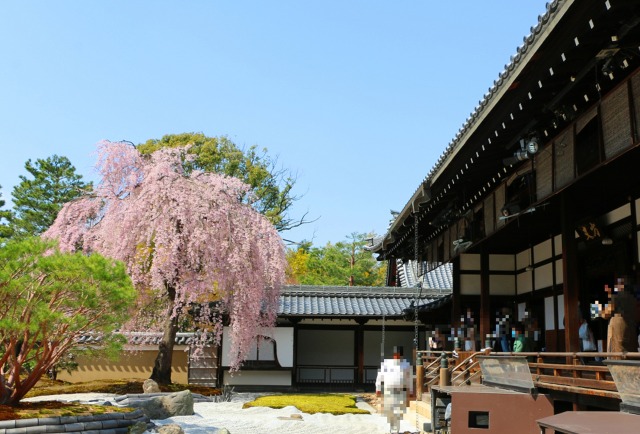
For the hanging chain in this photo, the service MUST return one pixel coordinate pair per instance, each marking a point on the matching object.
(383, 318)
(415, 312)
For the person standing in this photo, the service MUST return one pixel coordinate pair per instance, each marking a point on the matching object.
(587, 341)
(621, 332)
(522, 343)
(435, 341)
(395, 383)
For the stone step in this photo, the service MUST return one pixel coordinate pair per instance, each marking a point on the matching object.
(420, 422)
(422, 407)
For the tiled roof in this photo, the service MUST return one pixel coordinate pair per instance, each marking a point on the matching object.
(324, 302)
(150, 338)
(500, 85)
(349, 302)
(139, 338)
(439, 278)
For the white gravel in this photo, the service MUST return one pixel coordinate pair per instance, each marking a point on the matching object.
(210, 418)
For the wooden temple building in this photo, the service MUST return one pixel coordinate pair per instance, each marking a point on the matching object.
(536, 201)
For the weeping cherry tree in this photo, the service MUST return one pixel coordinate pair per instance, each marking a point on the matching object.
(193, 249)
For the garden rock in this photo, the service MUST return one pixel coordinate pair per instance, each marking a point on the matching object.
(138, 428)
(171, 428)
(179, 403)
(150, 386)
(165, 406)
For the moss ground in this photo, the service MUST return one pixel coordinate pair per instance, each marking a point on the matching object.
(311, 403)
(26, 410)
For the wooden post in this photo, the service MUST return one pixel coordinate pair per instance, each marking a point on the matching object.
(419, 380)
(570, 277)
(455, 294)
(485, 299)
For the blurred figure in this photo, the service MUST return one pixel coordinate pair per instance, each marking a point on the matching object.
(503, 331)
(395, 383)
(522, 343)
(621, 311)
(435, 341)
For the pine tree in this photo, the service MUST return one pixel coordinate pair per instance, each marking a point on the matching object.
(5, 220)
(37, 200)
(49, 301)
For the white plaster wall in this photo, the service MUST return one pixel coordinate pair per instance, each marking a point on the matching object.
(258, 378)
(549, 320)
(523, 259)
(501, 263)
(373, 344)
(559, 275)
(560, 312)
(544, 276)
(284, 345)
(524, 282)
(470, 261)
(617, 214)
(522, 308)
(558, 245)
(542, 251)
(469, 284)
(502, 284)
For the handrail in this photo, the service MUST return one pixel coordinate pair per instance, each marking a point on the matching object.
(567, 372)
(470, 362)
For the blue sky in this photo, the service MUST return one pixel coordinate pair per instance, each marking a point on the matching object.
(359, 98)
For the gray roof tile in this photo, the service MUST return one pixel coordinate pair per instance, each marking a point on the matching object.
(313, 301)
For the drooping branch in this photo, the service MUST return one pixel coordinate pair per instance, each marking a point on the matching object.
(188, 230)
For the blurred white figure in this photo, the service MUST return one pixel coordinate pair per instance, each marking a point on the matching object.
(395, 383)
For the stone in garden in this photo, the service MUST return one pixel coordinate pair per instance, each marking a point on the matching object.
(179, 403)
(163, 407)
(171, 428)
(150, 386)
(138, 428)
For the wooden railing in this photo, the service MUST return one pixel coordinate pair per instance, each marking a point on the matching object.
(462, 365)
(580, 373)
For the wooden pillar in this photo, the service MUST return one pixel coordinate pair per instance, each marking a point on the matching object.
(455, 300)
(570, 277)
(360, 352)
(419, 380)
(634, 232)
(294, 371)
(485, 298)
(554, 294)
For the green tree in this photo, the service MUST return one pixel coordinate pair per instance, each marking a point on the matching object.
(48, 300)
(272, 186)
(5, 220)
(297, 261)
(37, 201)
(343, 263)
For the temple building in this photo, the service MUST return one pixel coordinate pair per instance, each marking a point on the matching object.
(535, 202)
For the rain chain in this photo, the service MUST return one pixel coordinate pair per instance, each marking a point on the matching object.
(415, 311)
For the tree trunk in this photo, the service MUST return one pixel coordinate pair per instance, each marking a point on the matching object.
(161, 373)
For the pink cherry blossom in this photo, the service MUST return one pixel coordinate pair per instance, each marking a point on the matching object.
(190, 233)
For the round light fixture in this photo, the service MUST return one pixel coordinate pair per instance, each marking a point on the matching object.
(532, 145)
